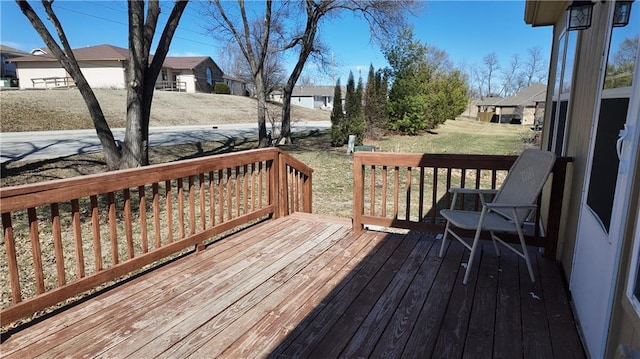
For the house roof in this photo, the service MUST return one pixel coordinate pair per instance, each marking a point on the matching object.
(308, 91)
(11, 51)
(526, 97)
(234, 79)
(543, 13)
(115, 53)
(489, 101)
(185, 62)
(90, 53)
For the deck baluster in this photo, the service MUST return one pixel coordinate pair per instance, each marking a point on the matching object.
(113, 231)
(56, 231)
(142, 207)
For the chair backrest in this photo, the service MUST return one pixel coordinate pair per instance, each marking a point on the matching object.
(525, 180)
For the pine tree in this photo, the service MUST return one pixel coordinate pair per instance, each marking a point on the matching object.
(354, 118)
(338, 137)
(370, 102)
(382, 95)
(375, 104)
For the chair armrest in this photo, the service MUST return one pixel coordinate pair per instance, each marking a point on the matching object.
(510, 205)
(472, 190)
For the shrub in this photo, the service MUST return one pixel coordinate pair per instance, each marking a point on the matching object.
(221, 88)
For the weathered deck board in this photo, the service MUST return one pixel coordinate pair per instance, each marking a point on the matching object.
(306, 286)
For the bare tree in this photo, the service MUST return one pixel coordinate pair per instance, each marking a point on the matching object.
(534, 66)
(140, 76)
(510, 76)
(385, 18)
(477, 80)
(491, 65)
(254, 38)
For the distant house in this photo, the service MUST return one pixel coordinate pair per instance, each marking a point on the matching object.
(104, 66)
(193, 74)
(314, 97)
(522, 108)
(8, 69)
(237, 86)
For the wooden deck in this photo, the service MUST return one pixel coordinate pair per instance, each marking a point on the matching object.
(306, 286)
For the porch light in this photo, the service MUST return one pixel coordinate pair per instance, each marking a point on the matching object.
(621, 13)
(579, 15)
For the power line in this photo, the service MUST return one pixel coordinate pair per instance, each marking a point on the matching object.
(125, 24)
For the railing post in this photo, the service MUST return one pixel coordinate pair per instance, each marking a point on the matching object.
(308, 194)
(358, 192)
(283, 199)
(273, 170)
(555, 208)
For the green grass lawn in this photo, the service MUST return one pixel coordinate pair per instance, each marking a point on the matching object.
(333, 168)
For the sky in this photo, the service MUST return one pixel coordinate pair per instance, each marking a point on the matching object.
(466, 30)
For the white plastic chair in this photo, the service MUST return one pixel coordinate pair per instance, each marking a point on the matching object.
(513, 203)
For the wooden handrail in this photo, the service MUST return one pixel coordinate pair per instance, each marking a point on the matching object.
(65, 237)
(407, 190)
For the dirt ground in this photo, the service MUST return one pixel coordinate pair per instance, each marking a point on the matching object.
(60, 109)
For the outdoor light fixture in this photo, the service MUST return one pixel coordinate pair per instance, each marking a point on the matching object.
(579, 15)
(621, 13)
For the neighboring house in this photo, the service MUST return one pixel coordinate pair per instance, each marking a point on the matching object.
(313, 97)
(592, 116)
(237, 86)
(104, 66)
(522, 108)
(8, 69)
(193, 74)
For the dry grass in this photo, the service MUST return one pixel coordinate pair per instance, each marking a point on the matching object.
(332, 178)
(64, 109)
(333, 172)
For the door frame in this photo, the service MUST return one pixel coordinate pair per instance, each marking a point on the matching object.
(619, 222)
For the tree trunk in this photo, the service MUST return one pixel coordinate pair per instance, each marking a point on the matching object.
(133, 149)
(68, 62)
(261, 98)
(285, 130)
(111, 152)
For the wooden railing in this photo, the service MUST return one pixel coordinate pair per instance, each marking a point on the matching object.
(407, 190)
(66, 237)
(52, 82)
(179, 86)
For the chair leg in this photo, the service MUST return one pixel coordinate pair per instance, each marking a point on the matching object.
(444, 239)
(525, 253)
(495, 245)
(474, 247)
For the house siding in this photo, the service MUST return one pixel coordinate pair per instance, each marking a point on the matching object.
(30, 70)
(624, 327)
(302, 101)
(189, 79)
(99, 74)
(200, 76)
(104, 74)
(581, 113)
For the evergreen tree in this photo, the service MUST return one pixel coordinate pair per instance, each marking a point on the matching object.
(426, 91)
(354, 118)
(370, 104)
(338, 136)
(375, 104)
(382, 93)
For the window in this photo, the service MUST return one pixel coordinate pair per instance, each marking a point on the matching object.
(562, 92)
(209, 76)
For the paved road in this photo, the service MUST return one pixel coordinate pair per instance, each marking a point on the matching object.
(16, 146)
